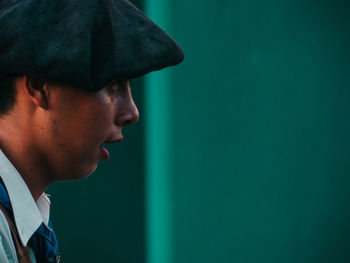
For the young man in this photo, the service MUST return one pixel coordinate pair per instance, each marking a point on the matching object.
(65, 67)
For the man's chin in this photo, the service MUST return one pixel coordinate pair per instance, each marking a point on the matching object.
(91, 171)
(83, 173)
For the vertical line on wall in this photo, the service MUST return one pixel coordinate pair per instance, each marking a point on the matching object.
(158, 151)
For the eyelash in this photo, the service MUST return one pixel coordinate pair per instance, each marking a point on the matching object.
(115, 85)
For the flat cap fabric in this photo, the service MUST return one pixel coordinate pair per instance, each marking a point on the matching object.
(82, 43)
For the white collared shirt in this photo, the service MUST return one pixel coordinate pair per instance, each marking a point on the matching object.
(28, 214)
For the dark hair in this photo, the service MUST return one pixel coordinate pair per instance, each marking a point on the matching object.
(7, 94)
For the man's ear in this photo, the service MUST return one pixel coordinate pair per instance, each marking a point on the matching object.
(37, 91)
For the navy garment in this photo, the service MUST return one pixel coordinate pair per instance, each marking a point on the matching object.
(43, 242)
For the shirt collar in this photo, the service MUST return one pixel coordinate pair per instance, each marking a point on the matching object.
(28, 214)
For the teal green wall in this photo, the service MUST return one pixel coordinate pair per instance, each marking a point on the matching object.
(251, 163)
(241, 153)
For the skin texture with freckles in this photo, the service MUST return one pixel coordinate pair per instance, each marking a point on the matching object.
(55, 132)
(80, 122)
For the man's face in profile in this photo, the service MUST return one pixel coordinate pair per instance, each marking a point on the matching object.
(79, 122)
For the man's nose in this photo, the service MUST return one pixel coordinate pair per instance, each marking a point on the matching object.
(131, 114)
(127, 111)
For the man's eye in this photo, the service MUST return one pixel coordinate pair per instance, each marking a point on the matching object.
(118, 86)
(115, 85)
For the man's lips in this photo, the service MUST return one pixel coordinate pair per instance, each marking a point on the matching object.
(104, 151)
(114, 140)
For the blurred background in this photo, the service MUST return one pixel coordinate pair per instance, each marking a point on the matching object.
(241, 154)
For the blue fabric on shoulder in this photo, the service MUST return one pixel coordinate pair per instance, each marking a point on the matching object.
(43, 242)
(4, 197)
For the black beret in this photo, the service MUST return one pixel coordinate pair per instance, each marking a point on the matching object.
(83, 43)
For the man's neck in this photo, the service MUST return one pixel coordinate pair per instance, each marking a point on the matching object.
(23, 154)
